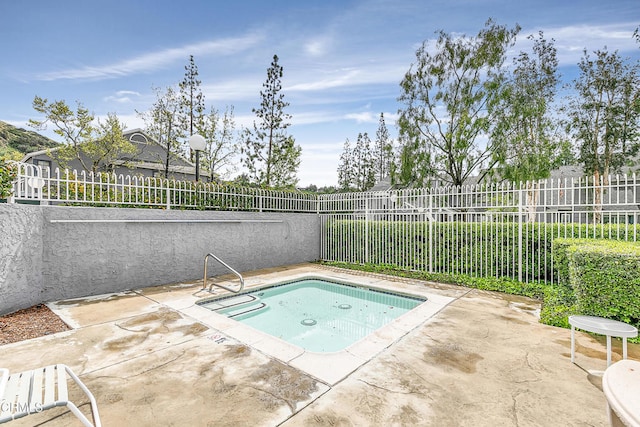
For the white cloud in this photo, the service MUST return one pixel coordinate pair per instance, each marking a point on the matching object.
(236, 89)
(131, 121)
(154, 60)
(572, 40)
(364, 117)
(309, 118)
(339, 78)
(318, 46)
(122, 96)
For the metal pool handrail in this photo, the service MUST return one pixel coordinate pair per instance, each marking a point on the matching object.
(204, 281)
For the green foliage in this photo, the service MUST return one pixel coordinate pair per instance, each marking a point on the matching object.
(192, 109)
(603, 115)
(221, 146)
(383, 150)
(561, 258)
(108, 145)
(503, 284)
(458, 246)
(604, 276)
(16, 142)
(163, 123)
(7, 176)
(558, 304)
(111, 190)
(363, 167)
(462, 77)
(346, 167)
(270, 155)
(483, 256)
(74, 127)
(360, 167)
(95, 146)
(524, 131)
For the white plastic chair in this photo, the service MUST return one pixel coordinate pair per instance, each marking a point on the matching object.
(31, 392)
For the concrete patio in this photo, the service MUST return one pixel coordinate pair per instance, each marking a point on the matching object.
(482, 360)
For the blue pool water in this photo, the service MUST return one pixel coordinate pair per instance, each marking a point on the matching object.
(317, 315)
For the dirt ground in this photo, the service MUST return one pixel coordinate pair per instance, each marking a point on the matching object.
(30, 323)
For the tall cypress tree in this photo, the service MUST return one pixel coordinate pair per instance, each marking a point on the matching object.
(383, 153)
(192, 108)
(270, 155)
(345, 167)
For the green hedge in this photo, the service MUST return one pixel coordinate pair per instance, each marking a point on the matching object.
(482, 249)
(605, 276)
(503, 284)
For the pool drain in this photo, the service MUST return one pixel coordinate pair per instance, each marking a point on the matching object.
(308, 322)
(345, 306)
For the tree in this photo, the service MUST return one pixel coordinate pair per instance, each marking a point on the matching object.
(363, 167)
(162, 123)
(270, 155)
(604, 116)
(450, 98)
(525, 136)
(75, 128)
(221, 146)
(383, 152)
(95, 147)
(109, 145)
(192, 108)
(345, 167)
(524, 129)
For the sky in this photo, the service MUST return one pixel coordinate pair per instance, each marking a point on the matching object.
(343, 60)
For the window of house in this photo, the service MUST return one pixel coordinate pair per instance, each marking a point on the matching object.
(44, 164)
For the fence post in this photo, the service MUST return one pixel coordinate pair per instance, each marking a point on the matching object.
(14, 184)
(168, 197)
(520, 226)
(366, 229)
(430, 219)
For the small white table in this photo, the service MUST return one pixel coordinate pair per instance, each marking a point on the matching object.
(621, 386)
(600, 325)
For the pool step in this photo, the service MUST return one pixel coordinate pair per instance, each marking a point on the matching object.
(230, 302)
(244, 309)
(235, 306)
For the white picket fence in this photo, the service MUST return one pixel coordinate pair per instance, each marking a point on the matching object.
(493, 230)
(36, 184)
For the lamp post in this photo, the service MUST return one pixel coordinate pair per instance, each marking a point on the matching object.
(197, 143)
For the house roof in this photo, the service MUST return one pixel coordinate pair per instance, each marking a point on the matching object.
(150, 154)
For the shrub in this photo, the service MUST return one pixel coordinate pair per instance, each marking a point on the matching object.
(558, 303)
(606, 278)
(483, 249)
(7, 175)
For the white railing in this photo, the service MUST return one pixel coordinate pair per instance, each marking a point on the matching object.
(483, 230)
(36, 184)
(501, 230)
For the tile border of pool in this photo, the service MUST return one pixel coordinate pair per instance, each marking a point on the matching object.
(329, 368)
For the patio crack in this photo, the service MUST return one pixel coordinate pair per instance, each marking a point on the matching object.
(411, 391)
(291, 406)
(514, 409)
(182, 353)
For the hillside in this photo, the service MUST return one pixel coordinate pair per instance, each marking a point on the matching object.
(15, 140)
